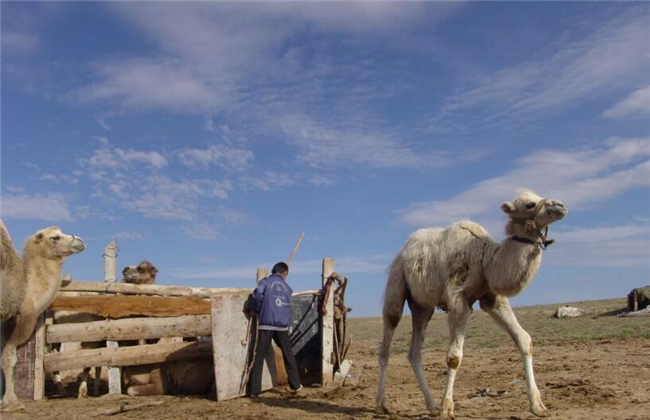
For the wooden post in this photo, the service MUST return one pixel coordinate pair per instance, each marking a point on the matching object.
(39, 352)
(327, 327)
(261, 273)
(110, 276)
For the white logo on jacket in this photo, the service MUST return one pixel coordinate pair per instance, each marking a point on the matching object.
(280, 303)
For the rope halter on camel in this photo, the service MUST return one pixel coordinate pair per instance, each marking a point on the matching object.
(530, 226)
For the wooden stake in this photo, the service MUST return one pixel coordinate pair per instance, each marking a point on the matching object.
(327, 328)
(110, 276)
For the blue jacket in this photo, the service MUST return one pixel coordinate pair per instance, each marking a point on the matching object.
(273, 301)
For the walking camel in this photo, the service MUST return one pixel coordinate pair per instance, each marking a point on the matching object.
(453, 268)
(42, 259)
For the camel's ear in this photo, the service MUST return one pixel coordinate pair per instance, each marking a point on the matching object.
(39, 237)
(154, 269)
(508, 207)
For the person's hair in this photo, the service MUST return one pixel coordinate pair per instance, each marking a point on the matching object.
(280, 267)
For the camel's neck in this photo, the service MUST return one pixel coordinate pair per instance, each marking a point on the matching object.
(513, 267)
(43, 280)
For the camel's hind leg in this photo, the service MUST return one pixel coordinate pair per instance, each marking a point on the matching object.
(457, 314)
(420, 317)
(394, 299)
(499, 309)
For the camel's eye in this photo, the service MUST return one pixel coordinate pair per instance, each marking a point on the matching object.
(530, 205)
(140, 270)
(56, 238)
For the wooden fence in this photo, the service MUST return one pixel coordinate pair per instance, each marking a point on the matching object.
(171, 313)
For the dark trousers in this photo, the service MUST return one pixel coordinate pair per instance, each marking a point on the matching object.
(281, 338)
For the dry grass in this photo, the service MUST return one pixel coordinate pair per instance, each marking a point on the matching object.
(600, 323)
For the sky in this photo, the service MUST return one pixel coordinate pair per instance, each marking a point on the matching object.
(206, 136)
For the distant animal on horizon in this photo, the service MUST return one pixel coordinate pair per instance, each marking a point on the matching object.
(453, 268)
(143, 273)
(28, 291)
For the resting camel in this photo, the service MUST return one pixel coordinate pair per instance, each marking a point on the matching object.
(453, 268)
(43, 256)
(181, 377)
(143, 273)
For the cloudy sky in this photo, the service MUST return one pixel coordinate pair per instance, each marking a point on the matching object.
(206, 136)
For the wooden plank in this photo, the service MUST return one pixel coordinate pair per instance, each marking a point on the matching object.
(145, 289)
(327, 328)
(39, 352)
(128, 356)
(131, 329)
(120, 306)
(229, 327)
(24, 370)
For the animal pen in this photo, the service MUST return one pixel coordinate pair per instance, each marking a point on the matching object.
(186, 323)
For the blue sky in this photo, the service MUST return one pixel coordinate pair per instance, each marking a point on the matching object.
(206, 136)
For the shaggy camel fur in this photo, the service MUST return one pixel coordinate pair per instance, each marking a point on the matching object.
(43, 256)
(12, 277)
(453, 268)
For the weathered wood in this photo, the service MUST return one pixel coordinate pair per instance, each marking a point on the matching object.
(131, 329)
(145, 289)
(229, 325)
(39, 352)
(327, 327)
(120, 306)
(128, 356)
(110, 277)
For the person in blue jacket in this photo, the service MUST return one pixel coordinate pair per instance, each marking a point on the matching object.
(272, 304)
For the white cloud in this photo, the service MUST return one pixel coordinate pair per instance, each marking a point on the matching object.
(370, 264)
(604, 234)
(267, 181)
(637, 104)
(240, 60)
(51, 206)
(560, 76)
(129, 235)
(580, 178)
(103, 123)
(219, 155)
(110, 157)
(321, 144)
(140, 84)
(603, 246)
(17, 41)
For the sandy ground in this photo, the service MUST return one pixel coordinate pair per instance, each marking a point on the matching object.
(593, 367)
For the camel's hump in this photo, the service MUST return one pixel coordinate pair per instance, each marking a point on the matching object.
(474, 228)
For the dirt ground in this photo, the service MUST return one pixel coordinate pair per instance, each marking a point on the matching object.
(593, 367)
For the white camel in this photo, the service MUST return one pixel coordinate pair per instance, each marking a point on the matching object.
(43, 255)
(453, 268)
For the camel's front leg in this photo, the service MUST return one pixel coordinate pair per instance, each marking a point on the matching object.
(457, 319)
(500, 310)
(21, 333)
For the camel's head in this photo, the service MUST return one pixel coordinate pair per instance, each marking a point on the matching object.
(143, 273)
(528, 206)
(51, 243)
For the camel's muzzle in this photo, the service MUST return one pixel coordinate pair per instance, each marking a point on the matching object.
(77, 245)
